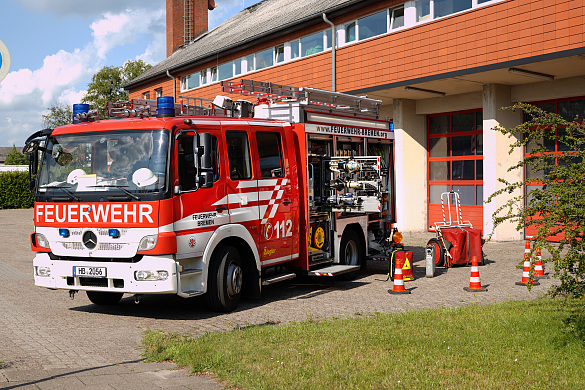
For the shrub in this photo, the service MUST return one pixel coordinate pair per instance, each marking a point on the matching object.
(14, 192)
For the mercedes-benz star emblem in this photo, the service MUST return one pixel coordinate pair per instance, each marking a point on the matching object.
(89, 239)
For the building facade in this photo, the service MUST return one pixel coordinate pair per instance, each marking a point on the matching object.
(443, 69)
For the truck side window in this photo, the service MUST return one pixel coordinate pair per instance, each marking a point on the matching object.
(187, 170)
(270, 153)
(238, 155)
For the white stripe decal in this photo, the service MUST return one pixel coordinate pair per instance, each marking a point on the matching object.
(279, 259)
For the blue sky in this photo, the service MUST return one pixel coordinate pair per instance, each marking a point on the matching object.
(57, 45)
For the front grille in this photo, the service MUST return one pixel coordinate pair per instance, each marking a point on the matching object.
(95, 282)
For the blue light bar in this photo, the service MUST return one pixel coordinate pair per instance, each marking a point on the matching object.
(81, 109)
(114, 233)
(165, 106)
(64, 232)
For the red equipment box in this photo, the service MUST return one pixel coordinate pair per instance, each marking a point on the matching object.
(465, 243)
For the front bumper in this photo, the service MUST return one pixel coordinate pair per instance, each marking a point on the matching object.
(119, 277)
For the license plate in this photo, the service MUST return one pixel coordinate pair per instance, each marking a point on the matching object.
(90, 272)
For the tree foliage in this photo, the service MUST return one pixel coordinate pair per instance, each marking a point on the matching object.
(555, 204)
(107, 84)
(59, 114)
(15, 158)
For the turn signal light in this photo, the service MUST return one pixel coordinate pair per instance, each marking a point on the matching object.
(397, 237)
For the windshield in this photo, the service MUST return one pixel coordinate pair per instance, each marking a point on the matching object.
(129, 161)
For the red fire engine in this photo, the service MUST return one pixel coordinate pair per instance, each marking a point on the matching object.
(217, 198)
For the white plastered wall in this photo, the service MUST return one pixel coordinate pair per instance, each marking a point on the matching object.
(497, 159)
(411, 166)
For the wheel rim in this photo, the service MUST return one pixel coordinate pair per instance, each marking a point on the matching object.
(234, 280)
(351, 253)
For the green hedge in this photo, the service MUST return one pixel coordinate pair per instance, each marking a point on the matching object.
(14, 191)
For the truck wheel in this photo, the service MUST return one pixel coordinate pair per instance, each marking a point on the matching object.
(351, 252)
(104, 298)
(439, 251)
(225, 279)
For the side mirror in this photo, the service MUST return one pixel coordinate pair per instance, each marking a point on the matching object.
(33, 162)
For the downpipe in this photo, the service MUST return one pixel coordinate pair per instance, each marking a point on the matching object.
(333, 46)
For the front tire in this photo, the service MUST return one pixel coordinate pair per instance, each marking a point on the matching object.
(104, 298)
(225, 280)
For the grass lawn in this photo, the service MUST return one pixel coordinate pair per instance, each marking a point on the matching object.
(510, 345)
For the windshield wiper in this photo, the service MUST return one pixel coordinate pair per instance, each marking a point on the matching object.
(121, 188)
(65, 190)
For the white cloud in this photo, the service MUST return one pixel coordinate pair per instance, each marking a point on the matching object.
(114, 30)
(26, 94)
(90, 9)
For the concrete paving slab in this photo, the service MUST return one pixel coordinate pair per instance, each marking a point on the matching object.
(48, 339)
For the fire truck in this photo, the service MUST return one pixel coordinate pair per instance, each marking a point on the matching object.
(216, 198)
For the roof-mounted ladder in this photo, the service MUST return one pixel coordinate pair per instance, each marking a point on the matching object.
(278, 93)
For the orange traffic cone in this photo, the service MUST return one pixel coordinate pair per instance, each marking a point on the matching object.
(474, 283)
(398, 287)
(526, 272)
(538, 266)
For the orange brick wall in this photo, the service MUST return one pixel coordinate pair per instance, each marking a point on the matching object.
(504, 31)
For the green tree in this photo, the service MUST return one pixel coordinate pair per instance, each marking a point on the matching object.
(15, 158)
(555, 204)
(58, 115)
(107, 84)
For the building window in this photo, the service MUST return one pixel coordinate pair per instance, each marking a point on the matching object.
(312, 44)
(328, 39)
(350, 34)
(372, 25)
(448, 7)
(191, 81)
(226, 71)
(294, 49)
(158, 92)
(238, 67)
(213, 74)
(397, 18)
(146, 95)
(278, 54)
(264, 59)
(250, 62)
(423, 10)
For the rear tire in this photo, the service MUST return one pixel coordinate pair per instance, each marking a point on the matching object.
(104, 298)
(351, 252)
(439, 251)
(225, 280)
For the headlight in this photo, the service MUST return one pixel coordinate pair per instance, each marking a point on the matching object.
(42, 241)
(151, 275)
(147, 243)
(43, 271)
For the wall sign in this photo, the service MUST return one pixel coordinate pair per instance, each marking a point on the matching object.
(4, 61)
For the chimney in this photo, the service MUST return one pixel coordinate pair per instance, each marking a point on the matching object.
(186, 19)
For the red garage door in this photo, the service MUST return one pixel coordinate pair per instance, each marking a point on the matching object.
(455, 161)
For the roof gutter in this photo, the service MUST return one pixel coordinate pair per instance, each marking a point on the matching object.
(333, 83)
